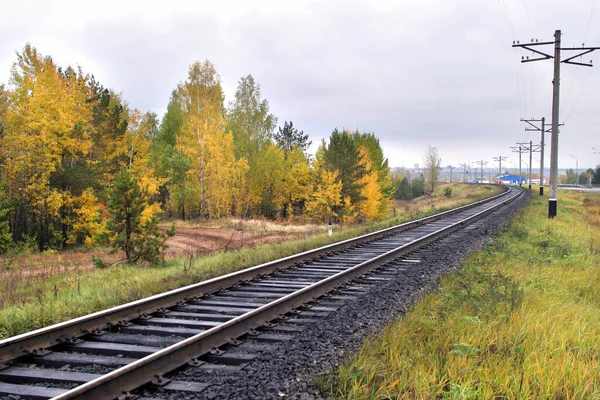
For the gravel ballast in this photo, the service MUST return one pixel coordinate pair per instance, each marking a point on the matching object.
(286, 370)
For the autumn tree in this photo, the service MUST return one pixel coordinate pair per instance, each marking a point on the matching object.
(295, 185)
(371, 205)
(250, 120)
(377, 164)
(209, 187)
(170, 162)
(325, 196)
(432, 168)
(137, 145)
(110, 122)
(44, 147)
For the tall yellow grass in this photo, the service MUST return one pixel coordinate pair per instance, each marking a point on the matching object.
(521, 320)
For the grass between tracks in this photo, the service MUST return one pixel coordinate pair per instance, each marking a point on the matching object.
(520, 320)
(30, 302)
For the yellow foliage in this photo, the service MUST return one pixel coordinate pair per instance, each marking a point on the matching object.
(88, 223)
(149, 211)
(371, 207)
(47, 125)
(204, 141)
(326, 194)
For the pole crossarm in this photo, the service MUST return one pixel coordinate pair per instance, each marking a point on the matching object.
(538, 148)
(582, 51)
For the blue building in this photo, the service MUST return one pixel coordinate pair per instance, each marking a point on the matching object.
(511, 179)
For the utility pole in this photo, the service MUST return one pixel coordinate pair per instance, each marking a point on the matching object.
(500, 159)
(543, 130)
(529, 147)
(465, 172)
(552, 203)
(481, 164)
(519, 150)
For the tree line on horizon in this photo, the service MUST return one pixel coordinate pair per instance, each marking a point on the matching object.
(64, 139)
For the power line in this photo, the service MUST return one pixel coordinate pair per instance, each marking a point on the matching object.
(583, 86)
(589, 22)
(506, 16)
(518, 90)
(527, 14)
(540, 55)
(586, 77)
(500, 159)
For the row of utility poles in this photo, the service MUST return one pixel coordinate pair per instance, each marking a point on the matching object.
(529, 147)
(540, 55)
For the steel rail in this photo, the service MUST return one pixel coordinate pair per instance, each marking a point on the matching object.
(25, 343)
(133, 375)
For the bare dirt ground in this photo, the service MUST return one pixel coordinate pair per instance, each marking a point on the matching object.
(210, 240)
(197, 240)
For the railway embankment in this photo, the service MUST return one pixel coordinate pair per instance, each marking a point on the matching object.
(521, 319)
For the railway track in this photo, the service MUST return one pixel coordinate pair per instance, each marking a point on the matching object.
(107, 354)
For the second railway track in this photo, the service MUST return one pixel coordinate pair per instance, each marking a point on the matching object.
(109, 353)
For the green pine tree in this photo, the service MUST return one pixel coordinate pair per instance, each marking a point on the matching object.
(139, 240)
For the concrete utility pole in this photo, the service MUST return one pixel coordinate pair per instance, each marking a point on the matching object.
(465, 172)
(519, 150)
(529, 147)
(552, 202)
(542, 130)
(481, 164)
(500, 159)
(530, 160)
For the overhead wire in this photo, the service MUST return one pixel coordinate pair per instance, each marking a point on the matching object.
(506, 16)
(589, 22)
(513, 34)
(531, 74)
(583, 86)
(588, 73)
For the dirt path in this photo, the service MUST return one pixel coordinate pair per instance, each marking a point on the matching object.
(201, 241)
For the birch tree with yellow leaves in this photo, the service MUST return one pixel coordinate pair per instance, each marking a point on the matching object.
(214, 172)
(46, 135)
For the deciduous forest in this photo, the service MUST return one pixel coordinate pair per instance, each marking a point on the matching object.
(65, 138)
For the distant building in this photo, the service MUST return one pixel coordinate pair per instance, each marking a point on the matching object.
(511, 179)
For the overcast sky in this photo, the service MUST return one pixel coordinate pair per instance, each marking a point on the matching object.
(415, 72)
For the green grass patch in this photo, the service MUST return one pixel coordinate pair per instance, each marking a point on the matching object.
(520, 320)
(32, 301)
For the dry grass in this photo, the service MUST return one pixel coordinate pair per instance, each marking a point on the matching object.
(520, 320)
(61, 292)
